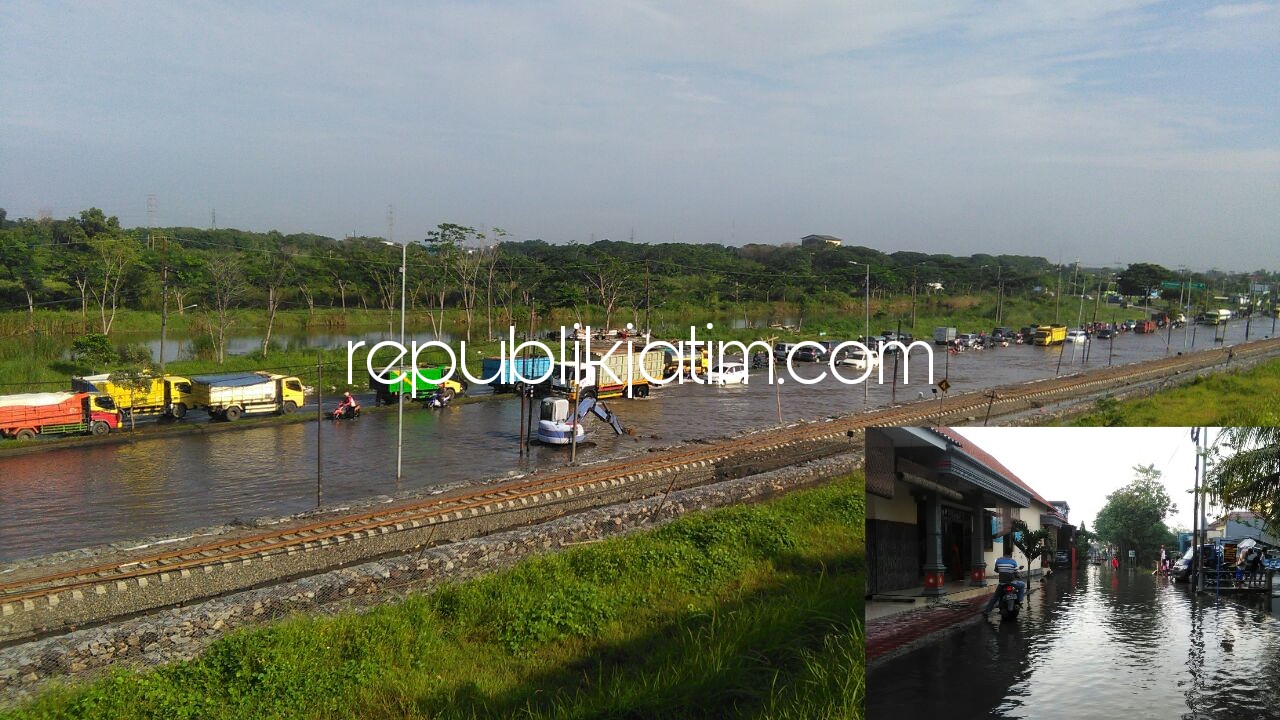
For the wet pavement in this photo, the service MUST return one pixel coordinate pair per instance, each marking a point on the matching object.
(1093, 644)
(76, 497)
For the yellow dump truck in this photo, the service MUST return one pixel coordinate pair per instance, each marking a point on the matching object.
(228, 396)
(168, 395)
(1051, 334)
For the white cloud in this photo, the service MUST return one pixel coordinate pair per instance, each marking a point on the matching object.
(1237, 10)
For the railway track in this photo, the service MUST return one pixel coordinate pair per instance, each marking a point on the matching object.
(182, 562)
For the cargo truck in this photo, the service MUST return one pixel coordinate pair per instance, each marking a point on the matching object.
(169, 395)
(1051, 335)
(231, 395)
(944, 335)
(591, 380)
(26, 416)
(428, 382)
(503, 370)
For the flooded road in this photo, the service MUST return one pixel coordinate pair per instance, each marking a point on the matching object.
(1095, 645)
(81, 496)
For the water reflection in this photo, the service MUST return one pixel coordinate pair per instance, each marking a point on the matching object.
(1096, 644)
(74, 497)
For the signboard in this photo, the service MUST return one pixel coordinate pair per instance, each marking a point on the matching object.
(1197, 286)
(1175, 285)
(943, 385)
(1133, 553)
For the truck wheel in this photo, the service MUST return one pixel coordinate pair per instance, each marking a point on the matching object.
(178, 411)
(642, 391)
(26, 434)
(231, 414)
(99, 427)
(447, 393)
(289, 407)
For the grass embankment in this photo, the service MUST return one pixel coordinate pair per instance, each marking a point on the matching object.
(751, 611)
(1251, 397)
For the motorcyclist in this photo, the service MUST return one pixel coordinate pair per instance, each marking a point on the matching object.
(347, 406)
(1007, 568)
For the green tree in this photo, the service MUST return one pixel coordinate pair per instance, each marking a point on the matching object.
(1033, 544)
(94, 350)
(1244, 471)
(1133, 518)
(1142, 278)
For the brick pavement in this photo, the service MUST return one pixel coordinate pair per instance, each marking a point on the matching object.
(893, 635)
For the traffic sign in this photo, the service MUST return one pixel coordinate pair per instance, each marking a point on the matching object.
(1197, 286)
(1170, 285)
(943, 385)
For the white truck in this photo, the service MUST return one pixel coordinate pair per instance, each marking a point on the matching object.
(230, 395)
(626, 362)
(943, 335)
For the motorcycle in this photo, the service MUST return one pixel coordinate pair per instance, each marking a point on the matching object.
(347, 413)
(438, 399)
(1009, 598)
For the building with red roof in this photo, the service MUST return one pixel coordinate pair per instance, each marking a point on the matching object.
(940, 510)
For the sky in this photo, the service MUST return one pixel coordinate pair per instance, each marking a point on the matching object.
(1088, 464)
(1107, 131)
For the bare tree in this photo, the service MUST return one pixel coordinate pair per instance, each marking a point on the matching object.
(226, 285)
(116, 256)
(610, 284)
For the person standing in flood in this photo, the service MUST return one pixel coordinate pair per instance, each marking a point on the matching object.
(1115, 562)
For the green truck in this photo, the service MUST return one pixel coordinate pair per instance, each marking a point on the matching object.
(428, 382)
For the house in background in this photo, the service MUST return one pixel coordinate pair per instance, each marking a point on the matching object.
(1241, 524)
(818, 241)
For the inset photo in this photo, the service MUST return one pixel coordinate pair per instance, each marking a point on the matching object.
(1072, 572)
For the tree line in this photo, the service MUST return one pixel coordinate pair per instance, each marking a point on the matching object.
(90, 263)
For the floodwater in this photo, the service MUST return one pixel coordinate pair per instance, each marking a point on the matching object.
(75, 497)
(1096, 644)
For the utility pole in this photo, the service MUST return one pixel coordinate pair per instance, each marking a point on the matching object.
(1057, 299)
(319, 427)
(413, 381)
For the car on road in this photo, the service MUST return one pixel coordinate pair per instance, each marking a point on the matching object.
(728, 373)
(1062, 558)
(808, 353)
(1077, 336)
(1106, 334)
(967, 340)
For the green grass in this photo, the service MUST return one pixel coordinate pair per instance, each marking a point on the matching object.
(1244, 398)
(750, 611)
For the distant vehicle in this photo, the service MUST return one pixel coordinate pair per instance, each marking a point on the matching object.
(781, 350)
(429, 380)
(168, 395)
(28, 415)
(1002, 333)
(1028, 335)
(1145, 327)
(968, 340)
(1062, 558)
(1129, 324)
(503, 371)
(808, 353)
(1106, 334)
(1214, 317)
(729, 373)
(943, 335)
(231, 395)
(828, 347)
(1077, 336)
(888, 337)
(859, 360)
(1051, 335)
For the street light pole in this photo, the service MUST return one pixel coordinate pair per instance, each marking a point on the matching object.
(404, 257)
